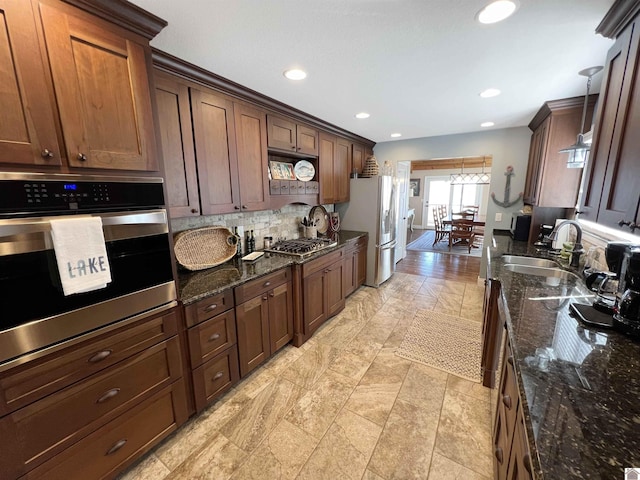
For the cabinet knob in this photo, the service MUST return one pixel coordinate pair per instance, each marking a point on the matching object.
(265, 298)
(506, 399)
(82, 157)
(194, 210)
(46, 154)
(217, 376)
(327, 270)
(108, 394)
(244, 207)
(213, 337)
(510, 360)
(293, 147)
(266, 284)
(235, 207)
(213, 306)
(272, 294)
(116, 446)
(499, 454)
(98, 357)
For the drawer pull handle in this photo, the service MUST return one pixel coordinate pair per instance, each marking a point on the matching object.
(506, 399)
(46, 153)
(272, 294)
(107, 395)
(265, 298)
(82, 157)
(217, 376)
(98, 357)
(213, 337)
(499, 454)
(526, 460)
(117, 446)
(213, 306)
(266, 284)
(510, 360)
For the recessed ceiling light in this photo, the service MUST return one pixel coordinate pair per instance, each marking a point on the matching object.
(396, 135)
(496, 11)
(490, 92)
(362, 115)
(487, 124)
(295, 74)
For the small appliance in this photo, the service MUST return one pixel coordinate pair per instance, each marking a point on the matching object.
(520, 226)
(543, 236)
(627, 318)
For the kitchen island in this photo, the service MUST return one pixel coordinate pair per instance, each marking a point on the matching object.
(579, 386)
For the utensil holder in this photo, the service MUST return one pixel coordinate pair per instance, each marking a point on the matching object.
(310, 232)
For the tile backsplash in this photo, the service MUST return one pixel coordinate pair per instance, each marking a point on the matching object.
(281, 223)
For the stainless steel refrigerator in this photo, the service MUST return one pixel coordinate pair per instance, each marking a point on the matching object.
(373, 208)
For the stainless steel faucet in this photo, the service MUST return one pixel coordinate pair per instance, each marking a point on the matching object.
(577, 247)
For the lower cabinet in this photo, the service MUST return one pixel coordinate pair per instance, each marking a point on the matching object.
(355, 265)
(512, 459)
(492, 328)
(264, 318)
(91, 409)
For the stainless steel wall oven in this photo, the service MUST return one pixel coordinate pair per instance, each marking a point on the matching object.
(35, 315)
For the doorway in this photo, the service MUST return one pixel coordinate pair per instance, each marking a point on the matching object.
(440, 191)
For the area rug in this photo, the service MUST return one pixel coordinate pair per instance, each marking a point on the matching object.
(424, 243)
(445, 342)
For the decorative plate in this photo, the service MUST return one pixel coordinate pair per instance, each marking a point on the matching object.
(304, 170)
(320, 217)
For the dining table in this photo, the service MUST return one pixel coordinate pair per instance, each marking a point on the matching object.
(454, 216)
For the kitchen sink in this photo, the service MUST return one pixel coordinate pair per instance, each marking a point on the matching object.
(531, 261)
(541, 271)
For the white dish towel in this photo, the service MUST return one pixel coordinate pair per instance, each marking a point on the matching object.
(81, 254)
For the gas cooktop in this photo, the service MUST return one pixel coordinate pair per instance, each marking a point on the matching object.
(301, 247)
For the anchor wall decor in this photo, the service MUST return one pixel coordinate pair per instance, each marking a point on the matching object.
(507, 191)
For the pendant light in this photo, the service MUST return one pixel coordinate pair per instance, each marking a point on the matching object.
(470, 178)
(578, 151)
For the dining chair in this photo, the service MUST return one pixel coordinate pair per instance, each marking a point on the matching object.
(441, 230)
(461, 233)
(471, 208)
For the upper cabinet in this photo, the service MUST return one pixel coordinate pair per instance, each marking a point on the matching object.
(334, 161)
(549, 182)
(612, 184)
(99, 96)
(289, 136)
(357, 158)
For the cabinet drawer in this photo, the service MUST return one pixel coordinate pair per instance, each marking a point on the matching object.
(299, 187)
(46, 427)
(30, 382)
(274, 187)
(108, 450)
(285, 187)
(355, 245)
(215, 377)
(208, 307)
(260, 285)
(323, 262)
(211, 337)
(311, 188)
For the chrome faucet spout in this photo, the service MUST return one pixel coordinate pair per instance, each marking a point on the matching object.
(577, 248)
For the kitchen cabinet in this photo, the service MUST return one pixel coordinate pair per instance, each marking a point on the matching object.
(357, 158)
(333, 160)
(612, 184)
(99, 91)
(492, 330)
(549, 182)
(119, 392)
(287, 135)
(355, 265)
(213, 350)
(264, 317)
(323, 289)
(512, 459)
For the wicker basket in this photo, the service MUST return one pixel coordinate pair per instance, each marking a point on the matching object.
(204, 247)
(370, 168)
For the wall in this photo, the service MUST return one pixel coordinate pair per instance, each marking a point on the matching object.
(284, 222)
(508, 146)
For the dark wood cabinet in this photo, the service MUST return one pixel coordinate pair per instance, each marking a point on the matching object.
(357, 158)
(341, 170)
(264, 318)
(549, 182)
(355, 265)
(334, 160)
(492, 331)
(612, 185)
(287, 135)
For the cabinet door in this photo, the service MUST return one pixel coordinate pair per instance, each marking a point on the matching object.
(216, 157)
(252, 318)
(281, 133)
(326, 161)
(610, 112)
(334, 278)
(621, 187)
(314, 293)
(280, 316)
(357, 160)
(520, 458)
(27, 130)
(362, 265)
(176, 135)
(350, 273)
(102, 89)
(534, 167)
(251, 138)
(307, 140)
(341, 170)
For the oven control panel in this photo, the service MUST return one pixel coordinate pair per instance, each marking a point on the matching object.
(51, 196)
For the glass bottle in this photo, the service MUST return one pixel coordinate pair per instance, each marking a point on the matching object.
(239, 244)
(253, 242)
(247, 244)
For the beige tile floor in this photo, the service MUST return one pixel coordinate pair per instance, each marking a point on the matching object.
(344, 406)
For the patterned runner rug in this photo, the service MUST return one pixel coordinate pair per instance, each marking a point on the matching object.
(445, 342)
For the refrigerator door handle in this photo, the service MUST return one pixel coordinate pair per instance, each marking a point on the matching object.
(388, 245)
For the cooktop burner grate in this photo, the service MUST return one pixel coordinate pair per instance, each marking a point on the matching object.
(301, 246)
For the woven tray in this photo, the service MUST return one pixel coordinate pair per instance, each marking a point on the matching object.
(204, 247)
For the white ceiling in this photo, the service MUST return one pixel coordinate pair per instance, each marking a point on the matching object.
(417, 66)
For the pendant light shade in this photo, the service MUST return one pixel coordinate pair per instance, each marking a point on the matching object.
(579, 151)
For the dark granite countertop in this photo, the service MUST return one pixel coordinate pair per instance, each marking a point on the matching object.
(582, 412)
(194, 286)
